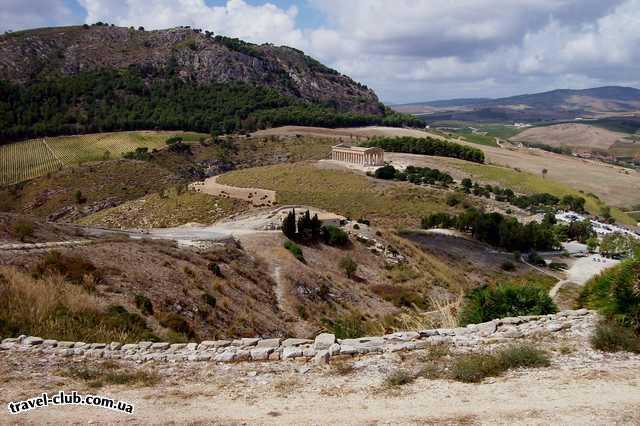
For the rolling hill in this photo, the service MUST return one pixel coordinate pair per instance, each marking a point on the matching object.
(562, 104)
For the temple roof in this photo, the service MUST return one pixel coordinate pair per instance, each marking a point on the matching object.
(344, 146)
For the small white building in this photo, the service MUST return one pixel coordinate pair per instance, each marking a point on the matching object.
(366, 156)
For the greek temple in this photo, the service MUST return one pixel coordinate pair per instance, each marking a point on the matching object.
(358, 155)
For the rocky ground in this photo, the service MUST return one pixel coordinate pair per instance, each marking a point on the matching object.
(581, 386)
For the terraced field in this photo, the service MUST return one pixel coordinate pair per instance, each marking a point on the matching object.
(25, 160)
(29, 159)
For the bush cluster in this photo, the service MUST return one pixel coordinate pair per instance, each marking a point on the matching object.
(416, 175)
(473, 368)
(504, 300)
(295, 250)
(616, 294)
(497, 230)
(428, 146)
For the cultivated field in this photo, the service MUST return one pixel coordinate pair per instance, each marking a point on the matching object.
(26, 160)
(37, 157)
(574, 135)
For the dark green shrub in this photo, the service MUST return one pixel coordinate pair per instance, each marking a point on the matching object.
(472, 368)
(117, 317)
(349, 266)
(387, 172)
(616, 294)
(334, 236)
(144, 304)
(505, 300)
(176, 323)
(23, 230)
(535, 259)
(141, 154)
(209, 300)
(295, 250)
(215, 269)
(610, 336)
(289, 228)
(74, 268)
(350, 327)
(399, 378)
(453, 200)
(518, 356)
(80, 199)
(508, 266)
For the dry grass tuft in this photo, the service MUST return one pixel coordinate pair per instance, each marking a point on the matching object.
(51, 307)
(109, 373)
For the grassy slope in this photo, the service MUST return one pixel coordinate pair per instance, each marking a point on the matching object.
(343, 192)
(166, 209)
(121, 180)
(529, 183)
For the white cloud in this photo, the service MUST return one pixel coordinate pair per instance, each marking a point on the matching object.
(21, 14)
(408, 50)
(263, 23)
(416, 50)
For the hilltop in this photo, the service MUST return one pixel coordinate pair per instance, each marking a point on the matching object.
(561, 104)
(204, 58)
(84, 79)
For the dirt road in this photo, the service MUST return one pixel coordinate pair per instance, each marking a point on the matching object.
(582, 270)
(580, 388)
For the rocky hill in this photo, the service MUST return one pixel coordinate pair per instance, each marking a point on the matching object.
(193, 55)
(89, 79)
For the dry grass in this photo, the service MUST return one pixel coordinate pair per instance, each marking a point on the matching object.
(51, 307)
(341, 191)
(110, 373)
(171, 207)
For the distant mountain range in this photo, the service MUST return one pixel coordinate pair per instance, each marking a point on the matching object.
(555, 105)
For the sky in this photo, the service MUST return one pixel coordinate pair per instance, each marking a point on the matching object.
(406, 50)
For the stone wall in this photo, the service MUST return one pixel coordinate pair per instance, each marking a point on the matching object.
(323, 348)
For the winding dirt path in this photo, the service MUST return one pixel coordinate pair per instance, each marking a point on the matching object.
(256, 196)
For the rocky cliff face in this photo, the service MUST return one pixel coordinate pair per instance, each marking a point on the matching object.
(192, 55)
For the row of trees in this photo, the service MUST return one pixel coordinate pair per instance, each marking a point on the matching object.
(498, 230)
(140, 98)
(417, 175)
(543, 199)
(428, 146)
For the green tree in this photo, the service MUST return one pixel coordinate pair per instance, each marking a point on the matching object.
(289, 225)
(349, 266)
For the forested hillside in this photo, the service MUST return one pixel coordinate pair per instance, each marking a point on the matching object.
(102, 78)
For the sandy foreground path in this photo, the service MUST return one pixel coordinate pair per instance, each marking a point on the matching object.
(580, 388)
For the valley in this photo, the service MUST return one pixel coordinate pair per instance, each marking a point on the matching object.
(227, 231)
